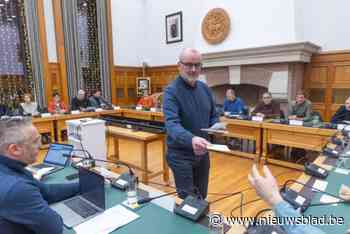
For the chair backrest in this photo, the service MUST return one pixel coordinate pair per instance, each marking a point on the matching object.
(317, 114)
(282, 116)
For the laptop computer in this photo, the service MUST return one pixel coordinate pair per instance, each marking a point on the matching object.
(54, 158)
(89, 203)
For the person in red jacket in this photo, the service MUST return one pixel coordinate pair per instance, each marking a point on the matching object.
(56, 106)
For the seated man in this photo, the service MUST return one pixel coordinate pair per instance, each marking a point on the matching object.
(97, 101)
(24, 200)
(300, 109)
(343, 113)
(28, 106)
(233, 104)
(4, 110)
(266, 187)
(80, 102)
(267, 108)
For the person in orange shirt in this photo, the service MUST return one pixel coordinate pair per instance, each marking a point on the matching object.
(56, 106)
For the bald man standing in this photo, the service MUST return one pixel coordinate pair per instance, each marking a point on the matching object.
(188, 107)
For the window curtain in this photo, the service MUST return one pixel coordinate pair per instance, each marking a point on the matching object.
(86, 44)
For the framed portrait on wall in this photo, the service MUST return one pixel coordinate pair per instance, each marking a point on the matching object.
(173, 27)
(143, 86)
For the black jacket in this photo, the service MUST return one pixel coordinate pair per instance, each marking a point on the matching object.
(77, 104)
(4, 110)
(341, 115)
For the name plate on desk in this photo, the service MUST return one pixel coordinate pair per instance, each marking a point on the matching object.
(45, 115)
(99, 110)
(153, 109)
(258, 118)
(296, 122)
(116, 107)
(75, 112)
(139, 108)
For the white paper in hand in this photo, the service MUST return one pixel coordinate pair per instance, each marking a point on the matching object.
(218, 126)
(217, 147)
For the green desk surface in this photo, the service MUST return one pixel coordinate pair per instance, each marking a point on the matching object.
(153, 219)
(335, 180)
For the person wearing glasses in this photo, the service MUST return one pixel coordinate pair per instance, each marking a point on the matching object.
(188, 107)
(24, 201)
(233, 104)
(267, 108)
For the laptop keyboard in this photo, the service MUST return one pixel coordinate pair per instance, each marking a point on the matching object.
(81, 207)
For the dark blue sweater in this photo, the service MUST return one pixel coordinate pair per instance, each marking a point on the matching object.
(236, 106)
(187, 110)
(24, 201)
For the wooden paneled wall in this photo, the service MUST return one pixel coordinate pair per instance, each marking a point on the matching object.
(327, 80)
(124, 85)
(124, 82)
(54, 80)
(161, 76)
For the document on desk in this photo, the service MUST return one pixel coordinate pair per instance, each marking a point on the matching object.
(107, 222)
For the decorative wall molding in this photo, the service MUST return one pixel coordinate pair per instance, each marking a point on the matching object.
(291, 52)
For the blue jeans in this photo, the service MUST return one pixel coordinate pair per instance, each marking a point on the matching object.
(191, 173)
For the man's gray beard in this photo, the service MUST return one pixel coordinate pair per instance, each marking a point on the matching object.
(191, 79)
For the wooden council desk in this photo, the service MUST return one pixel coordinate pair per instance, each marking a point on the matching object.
(293, 136)
(45, 125)
(243, 129)
(143, 138)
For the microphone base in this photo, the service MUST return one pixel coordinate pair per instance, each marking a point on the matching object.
(121, 182)
(192, 208)
(295, 200)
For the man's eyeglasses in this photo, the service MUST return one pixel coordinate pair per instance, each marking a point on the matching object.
(191, 65)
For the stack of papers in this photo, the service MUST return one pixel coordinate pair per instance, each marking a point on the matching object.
(107, 222)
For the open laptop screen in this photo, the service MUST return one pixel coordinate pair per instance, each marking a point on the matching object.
(56, 152)
(92, 187)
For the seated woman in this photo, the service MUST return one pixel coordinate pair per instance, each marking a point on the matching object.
(28, 107)
(56, 106)
(343, 113)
